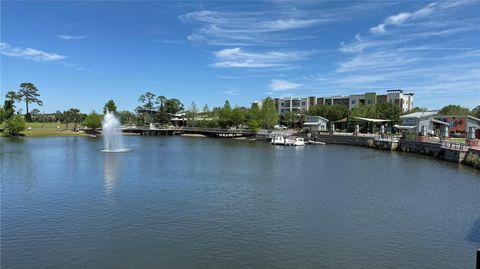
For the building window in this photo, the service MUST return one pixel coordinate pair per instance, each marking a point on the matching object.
(354, 101)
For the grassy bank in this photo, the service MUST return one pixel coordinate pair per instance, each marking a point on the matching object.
(38, 129)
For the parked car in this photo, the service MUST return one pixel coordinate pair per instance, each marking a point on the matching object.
(280, 127)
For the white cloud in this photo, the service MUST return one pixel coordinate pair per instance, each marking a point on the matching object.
(269, 26)
(71, 37)
(232, 92)
(398, 19)
(238, 58)
(379, 29)
(410, 33)
(283, 85)
(402, 18)
(228, 77)
(224, 20)
(378, 60)
(29, 53)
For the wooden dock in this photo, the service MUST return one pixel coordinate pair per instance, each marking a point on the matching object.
(210, 132)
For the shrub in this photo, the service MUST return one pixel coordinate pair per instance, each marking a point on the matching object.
(15, 125)
(93, 120)
(253, 125)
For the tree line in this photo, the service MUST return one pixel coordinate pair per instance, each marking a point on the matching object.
(161, 110)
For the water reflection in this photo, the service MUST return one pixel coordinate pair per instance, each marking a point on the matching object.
(474, 233)
(110, 171)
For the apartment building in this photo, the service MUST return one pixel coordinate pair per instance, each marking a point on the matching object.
(292, 104)
(398, 97)
(403, 100)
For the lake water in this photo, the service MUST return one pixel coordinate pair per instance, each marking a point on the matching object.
(177, 202)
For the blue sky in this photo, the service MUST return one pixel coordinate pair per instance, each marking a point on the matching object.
(80, 54)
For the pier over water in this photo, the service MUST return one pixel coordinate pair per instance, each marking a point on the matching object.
(210, 132)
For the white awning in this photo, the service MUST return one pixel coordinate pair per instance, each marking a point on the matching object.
(404, 127)
(308, 123)
(371, 120)
(440, 122)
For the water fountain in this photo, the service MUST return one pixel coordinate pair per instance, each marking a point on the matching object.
(112, 134)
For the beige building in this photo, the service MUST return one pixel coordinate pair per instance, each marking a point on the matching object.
(398, 97)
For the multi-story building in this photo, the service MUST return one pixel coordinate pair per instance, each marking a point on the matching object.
(356, 100)
(291, 104)
(403, 100)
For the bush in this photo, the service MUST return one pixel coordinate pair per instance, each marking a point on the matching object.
(253, 125)
(93, 120)
(15, 125)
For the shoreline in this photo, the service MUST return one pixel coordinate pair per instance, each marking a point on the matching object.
(469, 157)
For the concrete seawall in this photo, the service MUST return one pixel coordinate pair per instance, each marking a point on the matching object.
(346, 140)
(472, 158)
(467, 156)
(432, 149)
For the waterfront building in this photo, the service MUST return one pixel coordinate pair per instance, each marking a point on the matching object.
(403, 100)
(432, 124)
(315, 124)
(460, 126)
(417, 123)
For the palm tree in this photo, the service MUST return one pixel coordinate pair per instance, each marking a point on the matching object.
(74, 113)
(67, 117)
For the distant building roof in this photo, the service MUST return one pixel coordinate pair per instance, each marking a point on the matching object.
(458, 116)
(315, 118)
(419, 115)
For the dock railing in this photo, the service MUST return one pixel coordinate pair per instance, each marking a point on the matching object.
(386, 137)
(454, 145)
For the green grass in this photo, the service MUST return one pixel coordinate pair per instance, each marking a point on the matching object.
(48, 129)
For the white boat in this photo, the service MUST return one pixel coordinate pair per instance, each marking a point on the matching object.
(298, 141)
(287, 141)
(278, 140)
